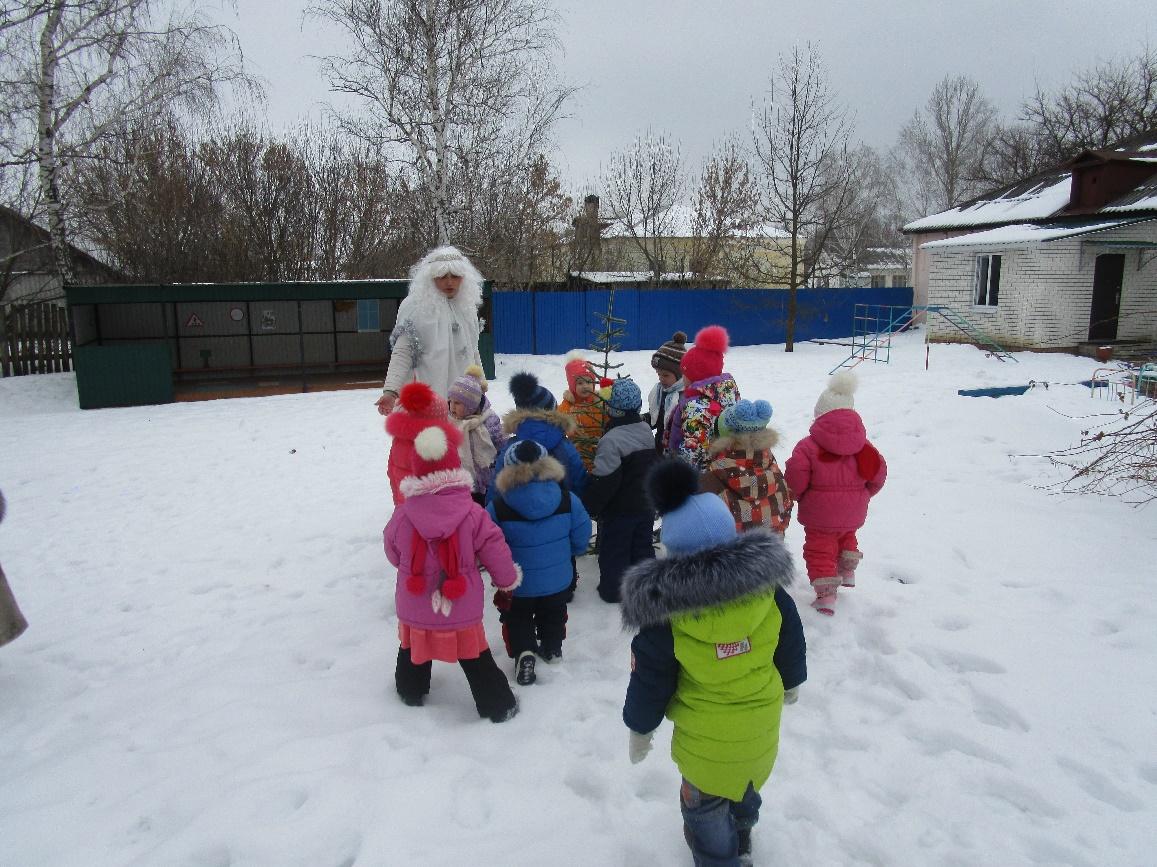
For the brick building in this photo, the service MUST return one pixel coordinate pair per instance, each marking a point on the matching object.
(1064, 259)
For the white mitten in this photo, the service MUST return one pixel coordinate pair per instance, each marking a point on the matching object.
(791, 696)
(639, 746)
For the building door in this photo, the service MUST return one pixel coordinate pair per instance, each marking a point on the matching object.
(1107, 277)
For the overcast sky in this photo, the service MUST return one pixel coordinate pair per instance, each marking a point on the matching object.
(693, 68)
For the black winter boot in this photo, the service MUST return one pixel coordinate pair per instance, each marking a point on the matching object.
(525, 675)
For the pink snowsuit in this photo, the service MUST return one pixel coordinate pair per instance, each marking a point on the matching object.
(832, 474)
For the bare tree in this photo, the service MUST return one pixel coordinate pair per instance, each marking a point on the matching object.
(642, 186)
(1119, 459)
(451, 86)
(724, 213)
(807, 171)
(943, 145)
(75, 71)
(1015, 151)
(1100, 107)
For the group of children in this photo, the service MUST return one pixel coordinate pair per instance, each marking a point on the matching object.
(719, 646)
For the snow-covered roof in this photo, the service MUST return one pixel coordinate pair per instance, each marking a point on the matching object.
(629, 276)
(680, 223)
(1032, 200)
(1029, 233)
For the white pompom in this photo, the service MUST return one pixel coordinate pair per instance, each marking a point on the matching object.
(431, 444)
(844, 382)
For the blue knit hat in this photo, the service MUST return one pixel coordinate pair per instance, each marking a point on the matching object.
(625, 397)
(528, 394)
(691, 521)
(745, 416)
(524, 452)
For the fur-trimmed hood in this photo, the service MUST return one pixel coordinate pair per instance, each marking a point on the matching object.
(552, 417)
(657, 590)
(513, 476)
(749, 442)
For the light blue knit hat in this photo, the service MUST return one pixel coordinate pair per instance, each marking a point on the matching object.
(625, 397)
(745, 416)
(691, 521)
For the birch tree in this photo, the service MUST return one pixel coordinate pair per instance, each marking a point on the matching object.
(807, 172)
(724, 213)
(642, 186)
(76, 71)
(453, 89)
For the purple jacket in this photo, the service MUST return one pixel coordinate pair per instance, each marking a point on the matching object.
(834, 472)
(438, 506)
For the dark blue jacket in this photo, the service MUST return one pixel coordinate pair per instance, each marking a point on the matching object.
(544, 524)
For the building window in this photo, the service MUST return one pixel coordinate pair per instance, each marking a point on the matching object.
(987, 281)
(877, 281)
(369, 315)
(897, 280)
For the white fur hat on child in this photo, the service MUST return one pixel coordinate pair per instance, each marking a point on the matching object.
(838, 394)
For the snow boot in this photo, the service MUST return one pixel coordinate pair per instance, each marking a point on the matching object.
(525, 675)
(846, 568)
(504, 715)
(550, 657)
(744, 835)
(825, 601)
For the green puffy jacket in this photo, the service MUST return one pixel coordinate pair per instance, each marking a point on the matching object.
(719, 642)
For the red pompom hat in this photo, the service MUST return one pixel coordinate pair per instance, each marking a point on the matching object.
(419, 405)
(436, 449)
(705, 359)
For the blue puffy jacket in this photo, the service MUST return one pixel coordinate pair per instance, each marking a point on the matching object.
(548, 428)
(544, 524)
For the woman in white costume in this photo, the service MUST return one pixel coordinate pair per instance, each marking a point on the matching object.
(435, 337)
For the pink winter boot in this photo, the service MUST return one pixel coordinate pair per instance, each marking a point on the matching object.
(825, 601)
(846, 568)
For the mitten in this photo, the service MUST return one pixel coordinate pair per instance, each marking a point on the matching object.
(639, 746)
(502, 599)
(791, 696)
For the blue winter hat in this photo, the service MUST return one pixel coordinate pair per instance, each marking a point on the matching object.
(745, 416)
(528, 394)
(625, 397)
(691, 521)
(524, 452)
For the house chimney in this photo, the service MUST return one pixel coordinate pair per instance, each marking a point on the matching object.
(591, 207)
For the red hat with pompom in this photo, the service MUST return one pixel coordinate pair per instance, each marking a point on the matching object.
(436, 449)
(705, 359)
(417, 406)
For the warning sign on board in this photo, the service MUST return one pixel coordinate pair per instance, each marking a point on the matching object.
(194, 321)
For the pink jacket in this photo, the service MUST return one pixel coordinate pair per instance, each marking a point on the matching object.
(439, 515)
(834, 472)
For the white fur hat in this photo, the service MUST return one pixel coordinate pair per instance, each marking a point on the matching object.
(838, 394)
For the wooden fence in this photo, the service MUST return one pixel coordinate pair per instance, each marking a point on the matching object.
(34, 338)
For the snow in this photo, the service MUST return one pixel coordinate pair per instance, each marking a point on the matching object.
(1025, 233)
(1039, 203)
(207, 679)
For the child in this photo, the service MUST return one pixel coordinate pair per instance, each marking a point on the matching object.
(832, 474)
(12, 622)
(615, 494)
(708, 392)
(535, 417)
(666, 392)
(436, 538)
(409, 418)
(743, 470)
(545, 525)
(719, 651)
(482, 436)
(581, 402)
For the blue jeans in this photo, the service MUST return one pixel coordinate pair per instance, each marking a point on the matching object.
(711, 822)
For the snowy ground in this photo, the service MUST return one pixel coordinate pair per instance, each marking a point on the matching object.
(207, 680)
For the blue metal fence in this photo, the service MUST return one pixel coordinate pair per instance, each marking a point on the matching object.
(551, 323)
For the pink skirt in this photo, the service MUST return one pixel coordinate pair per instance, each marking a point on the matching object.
(444, 645)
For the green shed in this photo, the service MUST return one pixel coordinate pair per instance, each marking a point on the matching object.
(146, 344)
